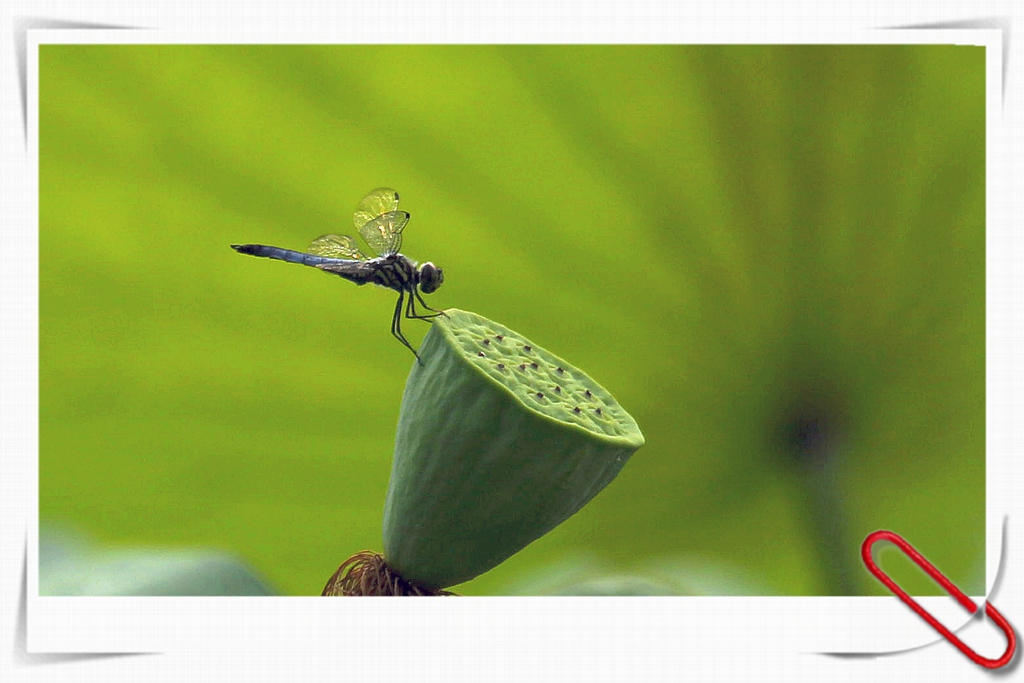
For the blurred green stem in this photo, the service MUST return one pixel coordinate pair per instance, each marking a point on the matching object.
(838, 552)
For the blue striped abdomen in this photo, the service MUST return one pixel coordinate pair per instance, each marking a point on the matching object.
(284, 254)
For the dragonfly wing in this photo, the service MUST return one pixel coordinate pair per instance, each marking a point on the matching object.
(384, 233)
(336, 246)
(377, 203)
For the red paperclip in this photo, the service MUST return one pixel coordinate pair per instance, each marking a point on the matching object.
(992, 612)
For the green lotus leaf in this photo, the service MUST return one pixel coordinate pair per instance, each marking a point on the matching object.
(774, 254)
(69, 565)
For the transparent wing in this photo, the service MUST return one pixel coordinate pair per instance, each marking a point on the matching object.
(336, 246)
(384, 233)
(379, 202)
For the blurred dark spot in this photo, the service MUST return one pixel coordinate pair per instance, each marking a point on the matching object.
(810, 433)
(527, 348)
(813, 426)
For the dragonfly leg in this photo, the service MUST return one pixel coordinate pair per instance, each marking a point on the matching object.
(396, 328)
(411, 312)
(410, 308)
(417, 316)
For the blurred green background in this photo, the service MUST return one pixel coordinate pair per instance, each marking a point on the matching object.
(772, 256)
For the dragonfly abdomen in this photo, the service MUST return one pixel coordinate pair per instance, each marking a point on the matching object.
(284, 254)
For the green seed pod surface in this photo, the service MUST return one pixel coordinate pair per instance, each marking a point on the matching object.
(498, 442)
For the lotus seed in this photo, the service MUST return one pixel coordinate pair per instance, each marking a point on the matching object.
(527, 348)
(559, 370)
(534, 366)
(597, 410)
(540, 395)
(588, 393)
(486, 341)
(499, 337)
(522, 366)
(558, 389)
(480, 353)
(576, 409)
(501, 366)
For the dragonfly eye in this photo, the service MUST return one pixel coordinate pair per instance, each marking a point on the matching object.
(431, 277)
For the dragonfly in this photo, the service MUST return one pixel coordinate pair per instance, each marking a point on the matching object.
(380, 223)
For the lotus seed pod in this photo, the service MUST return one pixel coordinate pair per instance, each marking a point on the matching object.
(498, 442)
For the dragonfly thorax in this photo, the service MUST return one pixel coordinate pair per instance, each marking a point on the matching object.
(394, 271)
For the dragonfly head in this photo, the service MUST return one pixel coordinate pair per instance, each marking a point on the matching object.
(431, 277)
